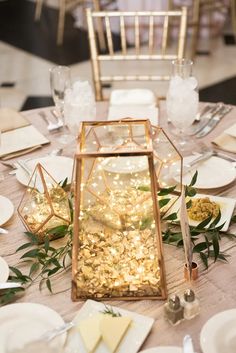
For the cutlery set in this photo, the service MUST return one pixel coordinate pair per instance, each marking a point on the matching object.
(208, 119)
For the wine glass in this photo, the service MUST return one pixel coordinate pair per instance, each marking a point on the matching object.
(182, 101)
(60, 81)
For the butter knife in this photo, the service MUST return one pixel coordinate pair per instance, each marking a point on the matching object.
(8, 285)
(213, 122)
(187, 344)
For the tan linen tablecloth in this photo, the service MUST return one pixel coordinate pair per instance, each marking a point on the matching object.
(215, 287)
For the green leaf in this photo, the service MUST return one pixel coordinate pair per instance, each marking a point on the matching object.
(17, 272)
(216, 247)
(34, 268)
(53, 270)
(163, 202)
(175, 237)
(33, 237)
(233, 219)
(64, 183)
(216, 220)
(48, 283)
(146, 223)
(59, 230)
(189, 204)
(190, 191)
(172, 217)
(200, 247)
(204, 258)
(143, 188)
(204, 223)
(46, 244)
(31, 253)
(166, 191)
(24, 246)
(194, 179)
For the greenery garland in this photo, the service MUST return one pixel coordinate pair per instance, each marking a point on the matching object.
(46, 261)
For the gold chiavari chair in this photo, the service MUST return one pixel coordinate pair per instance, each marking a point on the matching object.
(125, 55)
(199, 8)
(67, 5)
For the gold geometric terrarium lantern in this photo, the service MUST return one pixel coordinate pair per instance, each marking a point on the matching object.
(117, 248)
(44, 205)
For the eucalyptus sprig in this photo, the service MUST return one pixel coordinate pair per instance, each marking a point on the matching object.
(110, 311)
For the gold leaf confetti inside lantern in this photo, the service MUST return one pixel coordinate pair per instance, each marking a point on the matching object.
(117, 248)
(44, 205)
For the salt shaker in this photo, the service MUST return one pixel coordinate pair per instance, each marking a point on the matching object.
(174, 311)
(191, 304)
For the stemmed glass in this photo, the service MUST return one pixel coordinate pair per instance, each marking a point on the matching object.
(60, 81)
(182, 100)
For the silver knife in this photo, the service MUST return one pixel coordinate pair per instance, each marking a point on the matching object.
(187, 344)
(213, 122)
(8, 285)
(205, 118)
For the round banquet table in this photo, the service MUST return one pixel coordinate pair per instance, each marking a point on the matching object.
(215, 287)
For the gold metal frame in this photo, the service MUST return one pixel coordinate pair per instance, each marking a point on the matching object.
(41, 170)
(80, 155)
(96, 58)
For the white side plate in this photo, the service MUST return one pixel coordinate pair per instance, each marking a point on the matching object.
(132, 341)
(4, 270)
(213, 173)
(218, 335)
(7, 209)
(163, 349)
(21, 323)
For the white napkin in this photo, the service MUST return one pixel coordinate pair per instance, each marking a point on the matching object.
(132, 97)
(135, 112)
(21, 139)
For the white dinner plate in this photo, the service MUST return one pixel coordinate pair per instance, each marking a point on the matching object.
(6, 209)
(125, 165)
(4, 270)
(218, 335)
(24, 322)
(58, 167)
(226, 208)
(132, 341)
(163, 349)
(213, 173)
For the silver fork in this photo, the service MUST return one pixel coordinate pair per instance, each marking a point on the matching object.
(50, 125)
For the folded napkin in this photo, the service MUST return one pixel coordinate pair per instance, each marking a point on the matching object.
(21, 141)
(135, 112)
(225, 142)
(132, 97)
(11, 119)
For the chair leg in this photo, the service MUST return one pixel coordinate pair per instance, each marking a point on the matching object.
(101, 37)
(61, 21)
(38, 10)
(195, 26)
(233, 15)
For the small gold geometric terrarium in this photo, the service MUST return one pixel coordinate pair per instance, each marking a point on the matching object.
(44, 205)
(117, 247)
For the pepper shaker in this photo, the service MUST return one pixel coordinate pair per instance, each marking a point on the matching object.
(191, 304)
(174, 311)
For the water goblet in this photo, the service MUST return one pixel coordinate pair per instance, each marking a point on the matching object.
(182, 101)
(60, 81)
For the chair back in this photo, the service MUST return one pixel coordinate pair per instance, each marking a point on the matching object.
(153, 23)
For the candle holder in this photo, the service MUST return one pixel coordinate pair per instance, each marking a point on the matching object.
(117, 247)
(44, 205)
